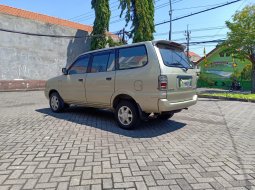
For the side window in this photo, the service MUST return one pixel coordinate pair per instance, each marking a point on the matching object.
(111, 62)
(99, 63)
(80, 66)
(132, 57)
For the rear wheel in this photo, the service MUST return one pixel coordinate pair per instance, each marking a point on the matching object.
(56, 102)
(165, 116)
(127, 115)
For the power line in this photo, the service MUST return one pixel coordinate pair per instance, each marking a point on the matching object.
(178, 18)
(231, 16)
(204, 42)
(185, 16)
(90, 12)
(91, 15)
(156, 8)
(209, 36)
(54, 36)
(193, 30)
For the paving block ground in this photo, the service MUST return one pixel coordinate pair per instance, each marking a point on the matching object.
(209, 146)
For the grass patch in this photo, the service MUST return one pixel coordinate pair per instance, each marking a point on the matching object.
(232, 95)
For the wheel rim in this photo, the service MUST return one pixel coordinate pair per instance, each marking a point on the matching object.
(54, 102)
(125, 115)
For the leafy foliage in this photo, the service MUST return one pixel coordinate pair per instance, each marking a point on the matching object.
(232, 95)
(235, 76)
(141, 13)
(246, 72)
(101, 23)
(241, 38)
(113, 43)
(204, 80)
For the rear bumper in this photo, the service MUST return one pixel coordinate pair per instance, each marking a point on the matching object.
(166, 105)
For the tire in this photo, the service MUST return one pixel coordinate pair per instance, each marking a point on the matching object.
(56, 102)
(165, 116)
(126, 114)
(66, 106)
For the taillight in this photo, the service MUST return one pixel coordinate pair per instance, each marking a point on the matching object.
(162, 82)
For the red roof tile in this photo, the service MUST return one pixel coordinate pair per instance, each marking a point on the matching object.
(191, 54)
(43, 18)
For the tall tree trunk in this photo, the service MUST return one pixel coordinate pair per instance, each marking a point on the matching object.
(252, 59)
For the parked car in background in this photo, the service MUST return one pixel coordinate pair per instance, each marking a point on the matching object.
(132, 80)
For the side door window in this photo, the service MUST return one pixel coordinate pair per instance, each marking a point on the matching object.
(100, 62)
(80, 66)
(132, 57)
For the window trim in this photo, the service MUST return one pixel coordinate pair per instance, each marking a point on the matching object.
(117, 59)
(79, 57)
(112, 52)
(101, 53)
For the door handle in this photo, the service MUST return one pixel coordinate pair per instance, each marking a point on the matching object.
(109, 78)
(80, 80)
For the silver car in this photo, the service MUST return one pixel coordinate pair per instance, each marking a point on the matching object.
(132, 80)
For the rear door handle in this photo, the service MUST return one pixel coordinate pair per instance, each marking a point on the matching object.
(109, 78)
(80, 80)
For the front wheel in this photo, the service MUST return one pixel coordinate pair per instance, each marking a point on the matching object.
(56, 102)
(127, 115)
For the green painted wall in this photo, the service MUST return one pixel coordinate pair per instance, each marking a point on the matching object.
(216, 71)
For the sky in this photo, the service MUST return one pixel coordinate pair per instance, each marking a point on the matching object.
(203, 27)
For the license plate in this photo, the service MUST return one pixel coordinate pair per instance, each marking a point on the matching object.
(185, 83)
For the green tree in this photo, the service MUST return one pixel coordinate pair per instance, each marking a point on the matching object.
(241, 38)
(113, 43)
(246, 72)
(141, 13)
(101, 23)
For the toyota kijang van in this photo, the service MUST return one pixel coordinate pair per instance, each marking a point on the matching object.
(133, 81)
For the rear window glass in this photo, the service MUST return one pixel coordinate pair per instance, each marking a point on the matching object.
(132, 57)
(174, 57)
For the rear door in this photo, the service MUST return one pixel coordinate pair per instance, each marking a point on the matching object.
(100, 80)
(180, 73)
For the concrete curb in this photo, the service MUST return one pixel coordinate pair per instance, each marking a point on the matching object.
(22, 90)
(225, 98)
(21, 85)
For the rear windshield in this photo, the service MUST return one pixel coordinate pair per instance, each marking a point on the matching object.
(174, 57)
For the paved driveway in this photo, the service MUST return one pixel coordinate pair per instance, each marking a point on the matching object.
(210, 146)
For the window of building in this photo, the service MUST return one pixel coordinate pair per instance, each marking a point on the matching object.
(132, 57)
(227, 54)
(80, 66)
(221, 54)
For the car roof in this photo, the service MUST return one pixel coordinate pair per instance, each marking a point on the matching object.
(154, 42)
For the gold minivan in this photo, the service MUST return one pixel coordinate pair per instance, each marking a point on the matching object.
(132, 80)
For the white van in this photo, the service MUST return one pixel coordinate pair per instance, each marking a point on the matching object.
(132, 80)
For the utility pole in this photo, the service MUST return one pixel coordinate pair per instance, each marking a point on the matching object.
(187, 34)
(123, 36)
(170, 15)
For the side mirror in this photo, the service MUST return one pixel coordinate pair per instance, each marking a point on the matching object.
(64, 71)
